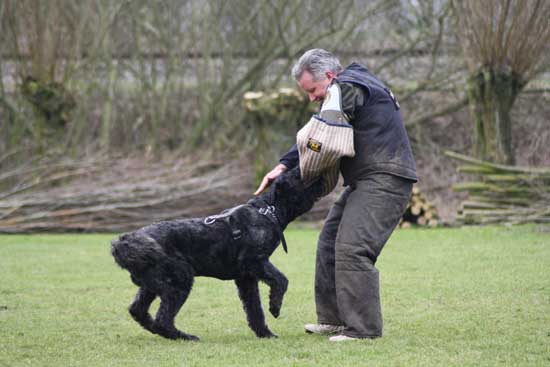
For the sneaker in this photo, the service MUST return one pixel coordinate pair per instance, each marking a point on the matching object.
(342, 338)
(323, 329)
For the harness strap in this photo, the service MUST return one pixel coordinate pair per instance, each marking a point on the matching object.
(226, 217)
(283, 240)
(270, 211)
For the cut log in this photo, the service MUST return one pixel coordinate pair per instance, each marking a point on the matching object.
(419, 212)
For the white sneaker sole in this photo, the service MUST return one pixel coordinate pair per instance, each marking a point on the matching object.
(315, 329)
(341, 338)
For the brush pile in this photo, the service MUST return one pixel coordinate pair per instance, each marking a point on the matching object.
(503, 194)
(101, 195)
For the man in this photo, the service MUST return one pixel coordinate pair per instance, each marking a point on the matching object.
(378, 180)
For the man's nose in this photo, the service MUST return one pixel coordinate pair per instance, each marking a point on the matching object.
(312, 98)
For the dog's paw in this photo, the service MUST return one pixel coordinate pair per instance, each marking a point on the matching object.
(173, 333)
(268, 335)
(275, 310)
(191, 338)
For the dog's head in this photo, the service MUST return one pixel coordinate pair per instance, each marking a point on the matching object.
(292, 195)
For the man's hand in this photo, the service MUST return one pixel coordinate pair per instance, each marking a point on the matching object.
(270, 177)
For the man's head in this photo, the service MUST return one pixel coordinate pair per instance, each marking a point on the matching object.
(314, 72)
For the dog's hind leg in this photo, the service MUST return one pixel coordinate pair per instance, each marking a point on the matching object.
(170, 304)
(173, 284)
(139, 309)
(249, 294)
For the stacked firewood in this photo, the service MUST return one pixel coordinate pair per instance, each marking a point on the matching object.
(503, 194)
(274, 103)
(281, 111)
(420, 212)
(256, 100)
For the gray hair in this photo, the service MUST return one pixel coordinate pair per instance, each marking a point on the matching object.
(317, 62)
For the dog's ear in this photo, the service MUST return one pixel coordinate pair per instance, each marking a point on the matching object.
(316, 188)
(293, 173)
(289, 181)
(296, 174)
(295, 179)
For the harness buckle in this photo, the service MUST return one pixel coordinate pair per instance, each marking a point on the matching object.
(270, 209)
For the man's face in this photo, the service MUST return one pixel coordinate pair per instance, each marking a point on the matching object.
(315, 89)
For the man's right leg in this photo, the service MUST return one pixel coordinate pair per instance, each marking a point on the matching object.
(325, 290)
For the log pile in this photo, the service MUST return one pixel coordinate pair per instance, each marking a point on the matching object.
(278, 104)
(503, 194)
(420, 212)
(114, 196)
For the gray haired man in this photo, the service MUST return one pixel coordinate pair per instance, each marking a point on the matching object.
(378, 181)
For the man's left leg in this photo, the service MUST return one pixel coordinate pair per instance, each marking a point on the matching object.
(372, 212)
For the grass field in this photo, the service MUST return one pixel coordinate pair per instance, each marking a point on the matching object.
(451, 297)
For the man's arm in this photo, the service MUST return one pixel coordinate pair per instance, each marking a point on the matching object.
(291, 158)
(270, 177)
(353, 97)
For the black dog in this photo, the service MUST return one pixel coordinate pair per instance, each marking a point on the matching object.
(163, 258)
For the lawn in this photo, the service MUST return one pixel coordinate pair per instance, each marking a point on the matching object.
(451, 297)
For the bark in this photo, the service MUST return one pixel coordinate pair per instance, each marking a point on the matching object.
(492, 93)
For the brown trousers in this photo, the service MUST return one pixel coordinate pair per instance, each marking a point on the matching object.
(347, 290)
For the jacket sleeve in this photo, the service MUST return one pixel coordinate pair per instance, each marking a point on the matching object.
(353, 97)
(291, 158)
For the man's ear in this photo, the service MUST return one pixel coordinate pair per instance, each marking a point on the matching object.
(330, 75)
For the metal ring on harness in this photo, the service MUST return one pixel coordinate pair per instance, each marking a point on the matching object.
(209, 220)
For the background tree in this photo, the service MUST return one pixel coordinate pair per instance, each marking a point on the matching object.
(505, 44)
(45, 45)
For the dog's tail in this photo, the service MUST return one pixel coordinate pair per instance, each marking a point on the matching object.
(136, 252)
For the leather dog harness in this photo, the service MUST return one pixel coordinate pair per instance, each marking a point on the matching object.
(269, 211)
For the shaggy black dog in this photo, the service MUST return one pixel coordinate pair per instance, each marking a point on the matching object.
(163, 258)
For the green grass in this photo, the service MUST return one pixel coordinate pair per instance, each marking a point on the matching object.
(451, 297)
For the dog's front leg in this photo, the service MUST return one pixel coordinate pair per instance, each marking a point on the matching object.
(278, 285)
(249, 294)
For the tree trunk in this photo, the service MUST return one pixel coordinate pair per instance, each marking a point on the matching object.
(492, 93)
